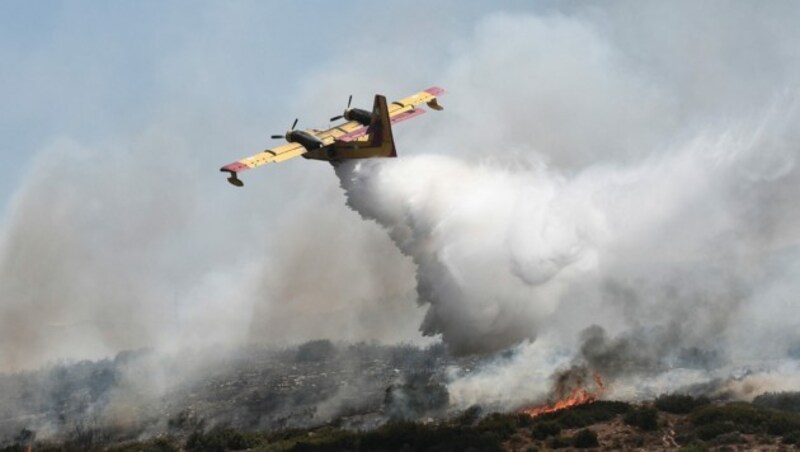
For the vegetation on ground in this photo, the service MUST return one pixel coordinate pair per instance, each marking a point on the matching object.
(679, 403)
(602, 424)
(645, 418)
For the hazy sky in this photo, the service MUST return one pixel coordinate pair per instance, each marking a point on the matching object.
(115, 119)
(93, 72)
(117, 230)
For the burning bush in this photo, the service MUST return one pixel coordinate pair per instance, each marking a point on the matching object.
(585, 415)
(575, 386)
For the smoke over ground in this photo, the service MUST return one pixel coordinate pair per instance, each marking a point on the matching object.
(611, 185)
(657, 234)
(670, 254)
(497, 249)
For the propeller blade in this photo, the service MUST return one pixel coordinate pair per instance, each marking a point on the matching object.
(294, 124)
(336, 118)
(276, 137)
(349, 100)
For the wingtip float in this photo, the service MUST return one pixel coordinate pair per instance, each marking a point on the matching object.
(366, 134)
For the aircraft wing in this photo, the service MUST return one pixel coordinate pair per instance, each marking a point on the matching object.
(428, 96)
(400, 110)
(341, 132)
(274, 155)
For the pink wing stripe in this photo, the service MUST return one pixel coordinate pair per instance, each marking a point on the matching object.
(353, 135)
(408, 115)
(235, 167)
(435, 91)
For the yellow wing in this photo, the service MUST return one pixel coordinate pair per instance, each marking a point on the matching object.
(428, 96)
(400, 110)
(278, 154)
(287, 151)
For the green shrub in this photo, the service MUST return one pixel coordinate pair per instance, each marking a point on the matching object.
(413, 436)
(220, 440)
(711, 431)
(153, 445)
(747, 418)
(792, 438)
(728, 438)
(782, 401)
(781, 424)
(697, 446)
(645, 418)
(505, 424)
(679, 403)
(637, 440)
(470, 416)
(525, 421)
(685, 438)
(544, 430)
(585, 439)
(558, 442)
(315, 351)
(574, 419)
(13, 448)
(487, 436)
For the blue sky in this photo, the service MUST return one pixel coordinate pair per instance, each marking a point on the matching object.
(93, 71)
(116, 116)
(115, 119)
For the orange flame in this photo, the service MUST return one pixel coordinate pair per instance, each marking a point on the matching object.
(577, 395)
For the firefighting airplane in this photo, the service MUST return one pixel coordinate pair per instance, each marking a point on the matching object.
(365, 134)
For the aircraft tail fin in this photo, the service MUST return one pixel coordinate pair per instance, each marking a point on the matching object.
(380, 129)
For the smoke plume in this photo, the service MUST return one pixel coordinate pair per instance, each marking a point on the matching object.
(597, 182)
(611, 185)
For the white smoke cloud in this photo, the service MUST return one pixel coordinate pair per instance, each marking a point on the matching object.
(491, 247)
(496, 248)
(664, 212)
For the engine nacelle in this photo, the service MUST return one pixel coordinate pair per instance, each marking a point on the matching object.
(358, 115)
(305, 139)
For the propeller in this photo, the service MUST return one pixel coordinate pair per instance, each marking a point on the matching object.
(278, 137)
(349, 101)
